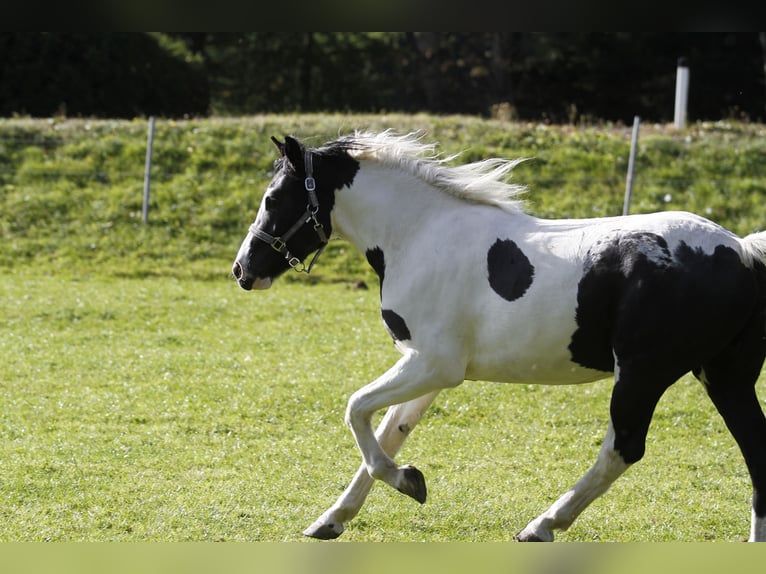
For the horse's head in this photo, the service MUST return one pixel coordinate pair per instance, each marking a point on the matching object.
(293, 220)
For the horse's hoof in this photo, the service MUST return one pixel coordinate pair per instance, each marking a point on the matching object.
(413, 483)
(322, 531)
(528, 538)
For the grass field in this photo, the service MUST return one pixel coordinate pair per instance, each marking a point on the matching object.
(162, 409)
(144, 397)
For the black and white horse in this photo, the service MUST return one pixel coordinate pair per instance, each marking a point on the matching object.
(472, 287)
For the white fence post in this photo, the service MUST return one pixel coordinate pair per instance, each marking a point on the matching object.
(682, 93)
(631, 162)
(148, 170)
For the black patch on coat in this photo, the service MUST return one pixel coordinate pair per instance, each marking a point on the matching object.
(396, 325)
(377, 261)
(336, 168)
(607, 273)
(664, 314)
(510, 272)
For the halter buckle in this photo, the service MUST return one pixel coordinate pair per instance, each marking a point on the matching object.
(278, 245)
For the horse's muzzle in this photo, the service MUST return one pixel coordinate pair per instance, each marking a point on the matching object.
(248, 282)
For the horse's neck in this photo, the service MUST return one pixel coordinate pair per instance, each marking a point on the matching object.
(384, 206)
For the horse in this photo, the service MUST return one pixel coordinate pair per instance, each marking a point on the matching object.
(473, 287)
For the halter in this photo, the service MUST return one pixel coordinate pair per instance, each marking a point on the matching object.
(279, 244)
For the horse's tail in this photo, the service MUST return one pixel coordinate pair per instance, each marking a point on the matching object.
(754, 248)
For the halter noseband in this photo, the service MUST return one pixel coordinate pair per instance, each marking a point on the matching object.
(279, 244)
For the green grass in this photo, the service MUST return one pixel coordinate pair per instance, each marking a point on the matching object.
(173, 410)
(143, 396)
(166, 409)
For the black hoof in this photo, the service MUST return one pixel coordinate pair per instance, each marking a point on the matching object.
(323, 532)
(414, 484)
(531, 538)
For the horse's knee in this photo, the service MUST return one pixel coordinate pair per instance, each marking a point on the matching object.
(347, 414)
(347, 417)
(629, 436)
(630, 448)
(357, 408)
(634, 399)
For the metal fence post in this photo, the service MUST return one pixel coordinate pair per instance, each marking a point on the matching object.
(631, 162)
(682, 93)
(148, 171)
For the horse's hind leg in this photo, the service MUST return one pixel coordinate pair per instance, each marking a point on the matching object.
(565, 510)
(745, 419)
(632, 406)
(730, 382)
(392, 431)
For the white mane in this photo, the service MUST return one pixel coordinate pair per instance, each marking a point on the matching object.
(478, 182)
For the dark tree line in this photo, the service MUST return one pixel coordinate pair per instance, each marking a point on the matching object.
(97, 74)
(556, 77)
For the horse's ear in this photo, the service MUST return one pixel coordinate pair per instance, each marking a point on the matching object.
(294, 152)
(280, 145)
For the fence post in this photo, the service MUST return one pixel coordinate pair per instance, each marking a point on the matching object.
(148, 171)
(682, 93)
(631, 162)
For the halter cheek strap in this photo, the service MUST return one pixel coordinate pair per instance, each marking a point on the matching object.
(279, 244)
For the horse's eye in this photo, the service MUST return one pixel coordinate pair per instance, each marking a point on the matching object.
(270, 203)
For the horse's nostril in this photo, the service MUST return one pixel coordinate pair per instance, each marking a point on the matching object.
(236, 269)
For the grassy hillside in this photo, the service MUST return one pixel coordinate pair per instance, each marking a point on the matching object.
(72, 189)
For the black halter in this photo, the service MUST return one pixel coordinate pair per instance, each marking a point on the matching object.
(279, 244)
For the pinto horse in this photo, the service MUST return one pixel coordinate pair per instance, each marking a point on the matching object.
(472, 287)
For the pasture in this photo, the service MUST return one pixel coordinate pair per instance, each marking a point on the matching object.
(145, 397)
(164, 409)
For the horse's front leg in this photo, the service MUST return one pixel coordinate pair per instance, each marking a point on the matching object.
(414, 375)
(393, 430)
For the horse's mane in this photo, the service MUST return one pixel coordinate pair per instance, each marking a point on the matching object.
(479, 182)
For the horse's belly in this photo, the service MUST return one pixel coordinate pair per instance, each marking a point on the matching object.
(530, 344)
(547, 370)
